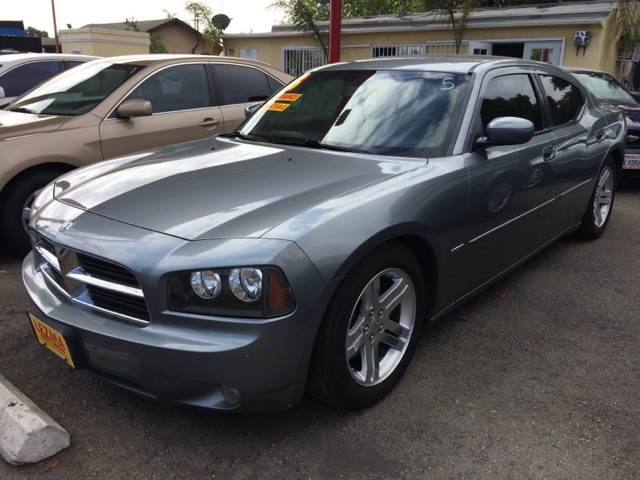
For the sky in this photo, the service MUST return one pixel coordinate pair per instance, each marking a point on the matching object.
(246, 15)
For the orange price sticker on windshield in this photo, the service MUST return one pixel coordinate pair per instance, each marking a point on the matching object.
(278, 107)
(290, 97)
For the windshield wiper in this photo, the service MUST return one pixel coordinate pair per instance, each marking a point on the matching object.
(313, 143)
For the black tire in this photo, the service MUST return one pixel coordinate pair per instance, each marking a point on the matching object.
(13, 202)
(589, 228)
(330, 378)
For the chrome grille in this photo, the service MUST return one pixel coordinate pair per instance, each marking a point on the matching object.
(92, 282)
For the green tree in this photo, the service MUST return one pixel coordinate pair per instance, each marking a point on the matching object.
(34, 32)
(305, 15)
(156, 44)
(456, 12)
(203, 14)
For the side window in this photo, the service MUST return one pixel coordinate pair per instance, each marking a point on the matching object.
(511, 96)
(183, 87)
(564, 99)
(274, 85)
(23, 78)
(240, 84)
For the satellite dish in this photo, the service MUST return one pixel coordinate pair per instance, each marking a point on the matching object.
(220, 21)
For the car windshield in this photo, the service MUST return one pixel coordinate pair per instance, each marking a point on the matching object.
(604, 87)
(391, 112)
(76, 91)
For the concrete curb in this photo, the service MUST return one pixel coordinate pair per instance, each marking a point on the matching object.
(27, 434)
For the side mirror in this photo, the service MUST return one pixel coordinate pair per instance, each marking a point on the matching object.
(507, 131)
(2, 95)
(251, 109)
(135, 108)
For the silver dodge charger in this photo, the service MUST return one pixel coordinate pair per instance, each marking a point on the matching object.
(308, 249)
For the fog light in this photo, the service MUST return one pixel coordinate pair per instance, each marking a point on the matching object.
(206, 284)
(231, 394)
(246, 283)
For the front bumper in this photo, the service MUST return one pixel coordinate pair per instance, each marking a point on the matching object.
(213, 362)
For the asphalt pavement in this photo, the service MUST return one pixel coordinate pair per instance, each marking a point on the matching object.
(538, 377)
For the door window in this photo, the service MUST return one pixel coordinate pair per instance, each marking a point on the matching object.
(564, 99)
(511, 96)
(239, 84)
(274, 85)
(17, 81)
(183, 87)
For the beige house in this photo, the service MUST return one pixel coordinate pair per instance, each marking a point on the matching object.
(540, 32)
(103, 42)
(173, 34)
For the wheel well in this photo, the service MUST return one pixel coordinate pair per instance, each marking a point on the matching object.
(425, 253)
(618, 158)
(43, 167)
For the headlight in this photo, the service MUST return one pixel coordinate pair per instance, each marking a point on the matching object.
(233, 292)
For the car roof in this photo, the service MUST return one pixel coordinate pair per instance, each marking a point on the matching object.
(22, 57)
(154, 58)
(587, 70)
(451, 63)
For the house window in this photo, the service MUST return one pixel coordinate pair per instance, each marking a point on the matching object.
(410, 50)
(250, 53)
(296, 61)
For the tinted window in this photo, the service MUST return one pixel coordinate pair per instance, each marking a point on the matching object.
(274, 85)
(79, 90)
(389, 112)
(23, 78)
(182, 87)
(240, 84)
(511, 96)
(563, 98)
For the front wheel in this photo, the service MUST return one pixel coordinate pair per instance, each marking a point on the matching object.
(368, 336)
(598, 213)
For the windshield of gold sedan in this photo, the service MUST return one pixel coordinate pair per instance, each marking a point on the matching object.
(76, 91)
(390, 112)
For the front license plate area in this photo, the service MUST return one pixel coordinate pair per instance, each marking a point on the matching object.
(51, 338)
(631, 161)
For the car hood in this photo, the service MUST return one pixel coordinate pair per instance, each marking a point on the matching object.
(17, 124)
(221, 188)
(631, 112)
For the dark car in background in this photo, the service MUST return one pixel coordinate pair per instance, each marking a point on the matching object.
(310, 246)
(609, 92)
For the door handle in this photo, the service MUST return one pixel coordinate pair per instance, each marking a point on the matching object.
(209, 122)
(549, 153)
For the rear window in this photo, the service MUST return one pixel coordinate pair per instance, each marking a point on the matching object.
(564, 99)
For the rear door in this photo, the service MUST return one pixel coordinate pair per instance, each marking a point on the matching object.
(512, 188)
(184, 108)
(580, 144)
(238, 86)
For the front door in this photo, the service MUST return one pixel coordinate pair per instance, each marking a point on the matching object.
(183, 110)
(543, 51)
(511, 187)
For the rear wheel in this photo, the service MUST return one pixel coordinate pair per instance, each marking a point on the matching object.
(16, 205)
(598, 213)
(369, 333)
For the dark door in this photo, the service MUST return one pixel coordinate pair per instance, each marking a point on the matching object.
(512, 188)
(580, 144)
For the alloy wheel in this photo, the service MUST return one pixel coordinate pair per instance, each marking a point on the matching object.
(603, 197)
(380, 326)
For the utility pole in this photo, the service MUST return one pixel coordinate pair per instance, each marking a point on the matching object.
(335, 21)
(55, 26)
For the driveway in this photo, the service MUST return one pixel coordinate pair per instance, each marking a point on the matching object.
(538, 377)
